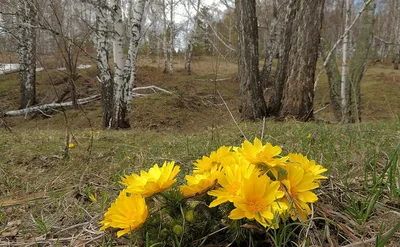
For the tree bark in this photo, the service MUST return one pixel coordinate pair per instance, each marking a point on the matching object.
(171, 39)
(333, 75)
(270, 49)
(191, 38)
(274, 94)
(119, 119)
(27, 52)
(102, 47)
(165, 45)
(359, 61)
(296, 74)
(397, 35)
(343, 82)
(396, 58)
(252, 101)
(136, 27)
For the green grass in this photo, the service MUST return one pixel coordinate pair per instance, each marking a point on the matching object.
(362, 161)
(50, 193)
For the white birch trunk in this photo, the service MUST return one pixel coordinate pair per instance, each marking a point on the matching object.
(118, 54)
(171, 39)
(136, 23)
(343, 83)
(191, 38)
(27, 52)
(102, 47)
(189, 57)
(117, 91)
(165, 46)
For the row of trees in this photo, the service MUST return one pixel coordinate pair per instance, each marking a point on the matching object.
(287, 30)
(292, 33)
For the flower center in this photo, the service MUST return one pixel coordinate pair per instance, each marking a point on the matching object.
(233, 188)
(264, 157)
(256, 205)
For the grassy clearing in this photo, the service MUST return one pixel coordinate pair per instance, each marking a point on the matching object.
(355, 197)
(48, 196)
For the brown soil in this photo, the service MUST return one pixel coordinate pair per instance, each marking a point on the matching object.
(194, 103)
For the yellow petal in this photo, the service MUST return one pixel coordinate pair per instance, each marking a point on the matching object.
(307, 196)
(237, 214)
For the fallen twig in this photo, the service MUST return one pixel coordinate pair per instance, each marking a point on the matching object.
(212, 80)
(11, 201)
(41, 108)
(321, 109)
(154, 88)
(9, 72)
(54, 105)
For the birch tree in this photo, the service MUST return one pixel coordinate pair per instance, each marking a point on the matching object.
(136, 23)
(171, 38)
(191, 39)
(352, 92)
(397, 35)
(119, 112)
(343, 82)
(27, 51)
(359, 61)
(117, 88)
(334, 78)
(102, 42)
(165, 36)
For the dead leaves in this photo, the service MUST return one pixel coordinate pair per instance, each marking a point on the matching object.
(11, 229)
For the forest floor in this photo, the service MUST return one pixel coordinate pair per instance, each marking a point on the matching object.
(44, 197)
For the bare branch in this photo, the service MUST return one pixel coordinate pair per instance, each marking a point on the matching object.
(346, 32)
(51, 106)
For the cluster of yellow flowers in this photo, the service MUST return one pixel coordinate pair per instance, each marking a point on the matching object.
(260, 182)
(129, 211)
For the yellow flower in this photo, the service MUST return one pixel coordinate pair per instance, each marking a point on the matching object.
(259, 154)
(71, 145)
(309, 166)
(127, 213)
(298, 186)
(257, 200)
(152, 182)
(94, 132)
(222, 156)
(231, 181)
(200, 183)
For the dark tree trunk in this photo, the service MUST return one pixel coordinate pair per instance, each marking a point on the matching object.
(274, 94)
(296, 74)
(359, 61)
(270, 50)
(252, 101)
(396, 23)
(333, 74)
(397, 58)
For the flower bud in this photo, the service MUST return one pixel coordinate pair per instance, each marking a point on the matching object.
(177, 229)
(189, 216)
